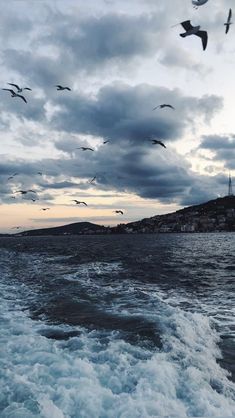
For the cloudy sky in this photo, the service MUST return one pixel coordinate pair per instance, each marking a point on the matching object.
(120, 58)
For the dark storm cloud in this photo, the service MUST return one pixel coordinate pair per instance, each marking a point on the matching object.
(78, 44)
(223, 148)
(122, 112)
(97, 40)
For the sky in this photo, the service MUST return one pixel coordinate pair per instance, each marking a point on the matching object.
(120, 59)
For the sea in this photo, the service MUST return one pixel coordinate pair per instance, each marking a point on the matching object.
(117, 326)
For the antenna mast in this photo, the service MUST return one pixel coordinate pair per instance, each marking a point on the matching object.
(230, 186)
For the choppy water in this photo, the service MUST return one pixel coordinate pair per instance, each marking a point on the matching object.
(117, 326)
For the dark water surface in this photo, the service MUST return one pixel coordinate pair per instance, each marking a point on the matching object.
(118, 326)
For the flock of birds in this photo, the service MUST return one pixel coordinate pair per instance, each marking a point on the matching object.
(189, 30)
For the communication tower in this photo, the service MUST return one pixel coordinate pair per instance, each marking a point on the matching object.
(230, 186)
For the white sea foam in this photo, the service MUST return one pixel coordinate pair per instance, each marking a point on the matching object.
(105, 377)
(98, 374)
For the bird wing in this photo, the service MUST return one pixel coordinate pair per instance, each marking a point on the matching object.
(229, 15)
(12, 91)
(186, 25)
(156, 107)
(204, 37)
(27, 88)
(14, 85)
(22, 97)
(227, 28)
(84, 203)
(161, 143)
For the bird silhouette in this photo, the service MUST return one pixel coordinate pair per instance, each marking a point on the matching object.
(78, 202)
(228, 23)
(19, 89)
(25, 191)
(85, 148)
(14, 94)
(194, 30)
(161, 106)
(92, 180)
(60, 88)
(12, 176)
(119, 211)
(156, 142)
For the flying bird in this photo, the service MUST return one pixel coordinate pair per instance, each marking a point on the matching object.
(78, 202)
(13, 175)
(105, 142)
(194, 30)
(61, 88)
(25, 191)
(161, 106)
(39, 173)
(197, 3)
(156, 142)
(92, 180)
(228, 23)
(119, 211)
(14, 94)
(85, 148)
(16, 227)
(19, 90)
(45, 209)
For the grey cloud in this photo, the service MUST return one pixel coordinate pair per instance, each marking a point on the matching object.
(223, 148)
(120, 111)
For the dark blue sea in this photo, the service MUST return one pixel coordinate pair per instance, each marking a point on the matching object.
(121, 326)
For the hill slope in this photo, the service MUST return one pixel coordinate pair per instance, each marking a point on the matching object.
(213, 216)
(74, 228)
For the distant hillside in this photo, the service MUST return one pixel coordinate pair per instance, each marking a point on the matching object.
(78, 228)
(213, 216)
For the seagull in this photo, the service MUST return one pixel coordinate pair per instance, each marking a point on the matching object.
(78, 202)
(156, 142)
(25, 191)
(13, 175)
(60, 88)
(85, 148)
(197, 3)
(118, 211)
(194, 30)
(19, 90)
(105, 142)
(92, 180)
(161, 106)
(228, 23)
(14, 94)
(45, 209)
